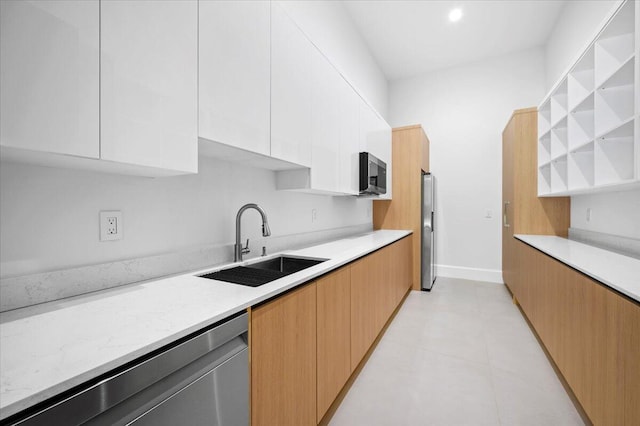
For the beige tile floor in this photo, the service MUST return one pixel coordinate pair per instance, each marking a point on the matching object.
(459, 355)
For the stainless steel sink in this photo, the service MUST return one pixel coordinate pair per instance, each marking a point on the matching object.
(259, 273)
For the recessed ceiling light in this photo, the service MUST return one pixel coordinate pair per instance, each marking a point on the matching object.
(455, 14)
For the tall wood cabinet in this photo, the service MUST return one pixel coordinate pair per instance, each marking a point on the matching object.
(410, 153)
(522, 211)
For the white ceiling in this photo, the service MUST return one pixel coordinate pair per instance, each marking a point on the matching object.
(412, 37)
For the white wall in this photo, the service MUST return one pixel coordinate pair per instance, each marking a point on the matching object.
(616, 213)
(612, 213)
(330, 27)
(49, 217)
(463, 111)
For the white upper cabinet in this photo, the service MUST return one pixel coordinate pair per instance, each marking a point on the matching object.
(49, 76)
(325, 125)
(149, 84)
(291, 89)
(234, 74)
(348, 105)
(375, 138)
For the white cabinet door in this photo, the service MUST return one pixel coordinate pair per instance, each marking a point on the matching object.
(375, 138)
(325, 125)
(49, 76)
(234, 61)
(149, 83)
(291, 89)
(348, 104)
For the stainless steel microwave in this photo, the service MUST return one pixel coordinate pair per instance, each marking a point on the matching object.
(373, 175)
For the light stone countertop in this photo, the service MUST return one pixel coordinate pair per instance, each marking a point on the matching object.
(617, 271)
(49, 348)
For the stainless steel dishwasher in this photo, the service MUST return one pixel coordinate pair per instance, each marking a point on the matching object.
(201, 380)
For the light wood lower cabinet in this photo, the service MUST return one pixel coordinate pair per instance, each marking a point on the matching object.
(334, 336)
(591, 332)
(306, 344)
(363, 301)
(283, 360)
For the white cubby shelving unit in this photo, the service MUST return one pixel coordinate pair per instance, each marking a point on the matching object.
(588, 125)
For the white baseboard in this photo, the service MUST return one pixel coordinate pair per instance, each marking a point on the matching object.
(475, 274)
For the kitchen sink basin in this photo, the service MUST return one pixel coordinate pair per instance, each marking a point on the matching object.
(259, 273)
(286, 264)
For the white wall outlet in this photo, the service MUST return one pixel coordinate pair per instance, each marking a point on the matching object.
(588, 214)
(110, 225)
(314, 215)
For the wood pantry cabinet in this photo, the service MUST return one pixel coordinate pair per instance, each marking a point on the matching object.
(591, 332)
(83, 87)
(410, 147)
(523, 212)
(306, 344)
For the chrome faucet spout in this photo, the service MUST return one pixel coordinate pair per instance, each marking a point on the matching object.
(238, 249)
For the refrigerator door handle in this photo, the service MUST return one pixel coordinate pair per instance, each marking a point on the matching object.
(505, 221)
(433, 224)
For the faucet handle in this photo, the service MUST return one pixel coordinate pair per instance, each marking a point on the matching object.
(245, 249)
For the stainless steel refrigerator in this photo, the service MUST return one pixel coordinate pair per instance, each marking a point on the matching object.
(428, 231)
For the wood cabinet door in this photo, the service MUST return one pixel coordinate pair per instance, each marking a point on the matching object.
(283, 360)
(50, 76)
(149, 84)
(235, 73)
(334, 336)
(363, 303)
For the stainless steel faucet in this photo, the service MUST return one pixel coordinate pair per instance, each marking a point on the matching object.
(238, 249)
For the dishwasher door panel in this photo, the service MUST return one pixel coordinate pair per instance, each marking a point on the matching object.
(205, 402)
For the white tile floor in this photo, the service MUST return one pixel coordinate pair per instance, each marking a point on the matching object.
(459, 355)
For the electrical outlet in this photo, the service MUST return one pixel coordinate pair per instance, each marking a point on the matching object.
(314, 215)
(110, 225)
(589, 214)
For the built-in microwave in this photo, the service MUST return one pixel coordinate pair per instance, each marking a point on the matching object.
(373, 175)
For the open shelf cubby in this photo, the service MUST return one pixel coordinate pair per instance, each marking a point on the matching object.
(614, 156)
(559, 174)
(544, 179)
(559, 103)
(544, 118)
(580, 128)
(559, 139)
(613, 107)
(580, 82)
(544, 149)
(580, 171)
(615, 44)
